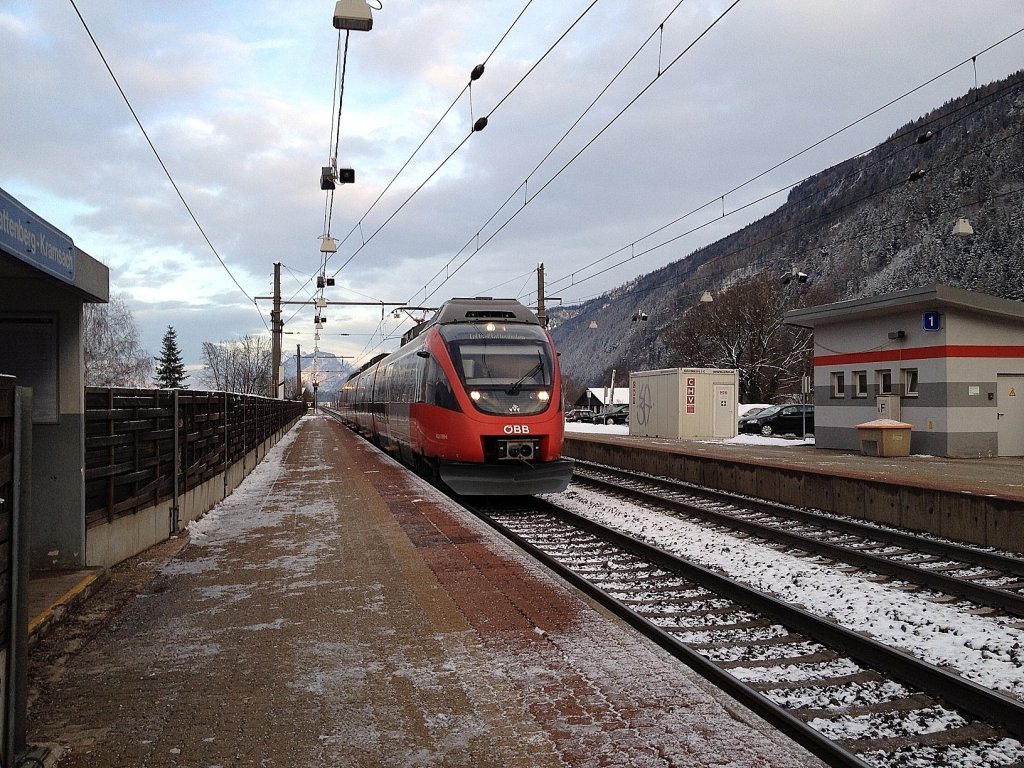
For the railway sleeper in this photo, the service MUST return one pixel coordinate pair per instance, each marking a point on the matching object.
(791, 639)
(660, 601)
(866, 677)
(712, 628)
(965, 735)
(906, 704)
(820, 657)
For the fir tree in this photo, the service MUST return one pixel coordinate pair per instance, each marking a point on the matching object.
(170, 370)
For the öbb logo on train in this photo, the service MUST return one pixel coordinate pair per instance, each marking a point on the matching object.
(516, 429)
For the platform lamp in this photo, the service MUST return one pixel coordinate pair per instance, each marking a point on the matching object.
(353, 15)
(794, 274)
(328, 245)
(962, 228)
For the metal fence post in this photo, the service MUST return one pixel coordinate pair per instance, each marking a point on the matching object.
(175, 508)
(227, 452)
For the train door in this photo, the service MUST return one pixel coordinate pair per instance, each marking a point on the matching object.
(386, 403)
(1010, 414)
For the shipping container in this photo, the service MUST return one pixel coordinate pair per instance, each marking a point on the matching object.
(694, 403)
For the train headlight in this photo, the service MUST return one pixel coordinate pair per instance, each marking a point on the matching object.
(475, 395)
(543, 396)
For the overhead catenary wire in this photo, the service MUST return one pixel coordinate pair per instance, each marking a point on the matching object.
(661, 70)
(720, 197)
(571, 278)
(440, 120)
(161, 162)
(825, 215)
(473, 130)
(529, 199)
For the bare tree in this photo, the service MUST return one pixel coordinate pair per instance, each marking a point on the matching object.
(241, 366)
(743, 328)
(112, 354)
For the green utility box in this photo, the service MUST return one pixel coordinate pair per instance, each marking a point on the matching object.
(884, 437)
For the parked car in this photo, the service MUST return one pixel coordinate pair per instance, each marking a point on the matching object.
(615, 414)
(749, 409)
(780, 420)
(580, 414)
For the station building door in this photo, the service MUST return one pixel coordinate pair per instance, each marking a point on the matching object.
(1010, 414)
(724, 419)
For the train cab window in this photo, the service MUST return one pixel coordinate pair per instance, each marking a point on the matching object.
(504, 368)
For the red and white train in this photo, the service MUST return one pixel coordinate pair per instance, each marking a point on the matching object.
(472, 397)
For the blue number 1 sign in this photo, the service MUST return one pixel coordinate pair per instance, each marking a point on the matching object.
(931, 321)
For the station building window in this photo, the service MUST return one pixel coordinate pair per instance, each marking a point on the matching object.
(838, 384)
(860, 383)
(909, 376)
(883, 378)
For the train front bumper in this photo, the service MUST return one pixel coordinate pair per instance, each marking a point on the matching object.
(519, 478)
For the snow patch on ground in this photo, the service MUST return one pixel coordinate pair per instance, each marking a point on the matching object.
(985, 650)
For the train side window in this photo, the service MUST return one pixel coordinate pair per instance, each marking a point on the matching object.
(437, 388)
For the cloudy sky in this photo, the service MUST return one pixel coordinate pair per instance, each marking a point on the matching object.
(238, 100)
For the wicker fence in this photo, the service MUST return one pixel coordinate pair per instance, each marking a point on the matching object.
(139, 442)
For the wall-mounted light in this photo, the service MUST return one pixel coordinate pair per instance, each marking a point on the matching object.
(894, 335)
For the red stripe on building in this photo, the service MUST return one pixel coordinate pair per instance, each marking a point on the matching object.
(921, 353)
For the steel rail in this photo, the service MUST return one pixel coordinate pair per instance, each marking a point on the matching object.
(819, 745)
(985, 704)
(994, 560)
(994, 597)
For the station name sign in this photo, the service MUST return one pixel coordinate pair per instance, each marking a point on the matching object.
(31, 239)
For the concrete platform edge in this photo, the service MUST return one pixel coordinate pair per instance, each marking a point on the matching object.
(81, 590)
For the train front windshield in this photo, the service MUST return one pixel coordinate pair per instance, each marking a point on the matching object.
(506, 369)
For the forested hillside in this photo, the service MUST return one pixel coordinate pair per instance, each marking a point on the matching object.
(880, 222)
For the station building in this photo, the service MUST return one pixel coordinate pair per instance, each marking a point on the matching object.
(947, 361)
(45, 281)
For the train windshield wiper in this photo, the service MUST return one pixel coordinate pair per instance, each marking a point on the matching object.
(514, 388)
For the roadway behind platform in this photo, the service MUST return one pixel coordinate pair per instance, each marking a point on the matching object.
(336, 610)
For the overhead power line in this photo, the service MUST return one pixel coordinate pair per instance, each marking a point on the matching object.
(450, 273)
(475, 128)
(570, 279)
(160, 160)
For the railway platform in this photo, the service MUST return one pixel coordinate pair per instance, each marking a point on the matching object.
(335, 610)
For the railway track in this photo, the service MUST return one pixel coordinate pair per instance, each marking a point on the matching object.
(981, 577)
(850, 700)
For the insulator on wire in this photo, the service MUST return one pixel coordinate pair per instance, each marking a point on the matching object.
(478, 70)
